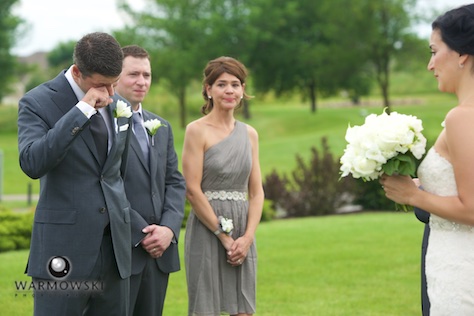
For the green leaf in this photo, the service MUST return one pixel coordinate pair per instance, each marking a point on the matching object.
(404, 164)
(391, 166)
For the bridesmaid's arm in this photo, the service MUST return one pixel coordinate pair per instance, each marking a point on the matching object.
(193, 162)
(241, 246)
(256, 194)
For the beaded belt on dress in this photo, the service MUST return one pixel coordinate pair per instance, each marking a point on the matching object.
(226, 195)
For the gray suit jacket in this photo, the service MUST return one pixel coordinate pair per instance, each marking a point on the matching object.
(156, 192)
(78, 198)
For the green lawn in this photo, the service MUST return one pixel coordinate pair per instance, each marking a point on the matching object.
(357, 264)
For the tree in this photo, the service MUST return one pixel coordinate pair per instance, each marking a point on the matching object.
(9, 28)
(305, 46)
(173, 31)
(183, 35)
(388, 27)
(229, 33)
(60, 56)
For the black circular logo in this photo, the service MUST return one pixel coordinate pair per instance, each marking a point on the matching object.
(59, 267)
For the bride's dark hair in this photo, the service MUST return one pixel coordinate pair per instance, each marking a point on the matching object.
(457, 29)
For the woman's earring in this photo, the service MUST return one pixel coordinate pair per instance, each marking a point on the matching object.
(209, 97)
(461, 66)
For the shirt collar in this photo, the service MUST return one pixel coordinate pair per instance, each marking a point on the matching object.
(77, 90)
(140, 110)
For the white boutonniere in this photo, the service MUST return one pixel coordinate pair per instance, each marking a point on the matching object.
(122, 110)
(227, 225)
(152, 127)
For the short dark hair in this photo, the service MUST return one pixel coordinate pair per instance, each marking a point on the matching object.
(457, 29)
(98, 53)
(214, 69)
(135, 51)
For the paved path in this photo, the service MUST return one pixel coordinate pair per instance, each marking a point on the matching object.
(18, 197)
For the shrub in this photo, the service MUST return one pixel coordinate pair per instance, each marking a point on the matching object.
(313, 189)
(371, 196)
(187, 210)
(268, 211)
(15, 229)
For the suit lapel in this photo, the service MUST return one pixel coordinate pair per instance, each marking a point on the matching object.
(89, 140)
(138, 151)
(114, 124)
(154, 148)
(65, 99)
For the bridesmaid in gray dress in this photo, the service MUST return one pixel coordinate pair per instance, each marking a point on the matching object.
(223, 180)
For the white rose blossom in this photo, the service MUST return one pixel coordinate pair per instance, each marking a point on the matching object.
(122, 110)
(226, 224)
(152, 127)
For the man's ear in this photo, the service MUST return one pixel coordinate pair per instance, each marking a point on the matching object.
(76, 73)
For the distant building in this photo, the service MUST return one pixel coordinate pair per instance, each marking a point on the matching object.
(38, 59)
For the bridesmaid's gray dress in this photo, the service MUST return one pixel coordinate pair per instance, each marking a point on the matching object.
(214, 286)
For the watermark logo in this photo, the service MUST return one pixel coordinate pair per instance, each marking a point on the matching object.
(59, 267)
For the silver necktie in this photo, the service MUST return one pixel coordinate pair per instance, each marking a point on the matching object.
(141, 134)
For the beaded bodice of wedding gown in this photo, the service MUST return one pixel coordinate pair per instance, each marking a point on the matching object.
(450, 255)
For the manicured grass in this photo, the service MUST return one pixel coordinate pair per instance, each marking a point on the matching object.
(357, 264)
(14, 180)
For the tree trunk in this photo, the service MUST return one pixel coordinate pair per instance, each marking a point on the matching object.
(246, 109)
(386, 100)
(383, 74)
(182, 106)
(313, 97)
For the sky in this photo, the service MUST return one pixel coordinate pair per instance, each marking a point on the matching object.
(54, 21)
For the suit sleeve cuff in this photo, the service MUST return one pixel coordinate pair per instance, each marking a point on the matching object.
(86, 109)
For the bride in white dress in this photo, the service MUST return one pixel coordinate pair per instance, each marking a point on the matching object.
(447, 172)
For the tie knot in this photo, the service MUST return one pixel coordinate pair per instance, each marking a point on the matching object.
(137, 118)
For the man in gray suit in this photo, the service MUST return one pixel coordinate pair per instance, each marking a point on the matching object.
(155, 189)
(73, 134)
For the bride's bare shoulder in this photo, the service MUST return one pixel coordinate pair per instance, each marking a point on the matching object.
(460, 114)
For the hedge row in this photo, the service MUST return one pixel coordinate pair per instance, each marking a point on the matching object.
(15, 229)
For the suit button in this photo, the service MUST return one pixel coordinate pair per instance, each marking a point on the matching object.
(102, 210)
(75, 130)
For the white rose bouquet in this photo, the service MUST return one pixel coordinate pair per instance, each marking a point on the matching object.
(386, 143)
